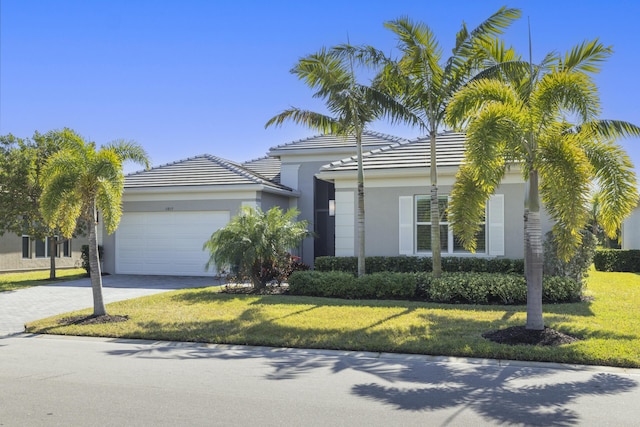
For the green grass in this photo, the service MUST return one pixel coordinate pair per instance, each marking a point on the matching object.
(13, 281)
(608, 325)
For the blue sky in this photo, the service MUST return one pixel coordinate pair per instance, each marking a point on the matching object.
(189, 77)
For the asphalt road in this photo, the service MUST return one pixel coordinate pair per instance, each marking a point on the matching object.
(51, 381)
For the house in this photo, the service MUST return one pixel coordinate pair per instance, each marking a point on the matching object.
(24, 253)
(630, 233)
(171, 210)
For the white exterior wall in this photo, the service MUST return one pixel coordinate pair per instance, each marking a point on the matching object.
(631, 230)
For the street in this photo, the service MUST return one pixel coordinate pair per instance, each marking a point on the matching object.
(72, 381)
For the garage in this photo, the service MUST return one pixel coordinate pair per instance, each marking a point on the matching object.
(166, 243)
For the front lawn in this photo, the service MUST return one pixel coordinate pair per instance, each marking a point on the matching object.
(13, 281)
(607, 325)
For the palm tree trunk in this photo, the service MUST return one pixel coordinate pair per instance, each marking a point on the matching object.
(534, 255)
(94, 264)
(435, 208)
(361, 241)
(52, 258)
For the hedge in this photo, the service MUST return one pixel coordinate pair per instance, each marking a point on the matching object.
(414, 264)
(458, 287)
(621, 260)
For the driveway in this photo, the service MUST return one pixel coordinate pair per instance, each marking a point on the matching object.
(26, 305)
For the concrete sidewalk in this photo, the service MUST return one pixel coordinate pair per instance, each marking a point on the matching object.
(26, 305)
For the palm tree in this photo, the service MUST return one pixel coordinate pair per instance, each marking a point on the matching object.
(426, 84)
(80, 180)
(257, 243)
(521, 120)
(353, 107)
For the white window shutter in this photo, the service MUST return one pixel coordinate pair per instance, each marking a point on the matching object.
(495, 213)
(405, 233)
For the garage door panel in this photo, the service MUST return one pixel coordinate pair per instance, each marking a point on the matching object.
(168, 243)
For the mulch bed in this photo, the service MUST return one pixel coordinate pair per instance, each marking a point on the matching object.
(250, 290)
(520, 335)
(92, 320)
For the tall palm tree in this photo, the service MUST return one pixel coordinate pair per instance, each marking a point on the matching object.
(520, 119)
(426, 83)
(352, 107)
(80, 180)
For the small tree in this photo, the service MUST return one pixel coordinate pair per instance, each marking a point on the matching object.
(256, 243)
(21, 164)
(78, 181)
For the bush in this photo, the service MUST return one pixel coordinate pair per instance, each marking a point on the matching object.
(414, 264)
(627, 260)
(84, 255)
(561, 289)
(321, 284)
(459, 287)
(578, 266)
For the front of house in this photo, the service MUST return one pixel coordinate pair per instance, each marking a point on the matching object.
(171, 210)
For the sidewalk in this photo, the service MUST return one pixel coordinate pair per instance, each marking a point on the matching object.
(26, 305)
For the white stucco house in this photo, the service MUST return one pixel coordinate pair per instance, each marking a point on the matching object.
(630, 232)
(169, 211)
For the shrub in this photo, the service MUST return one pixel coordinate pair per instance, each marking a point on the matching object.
(459, 287)
(561, 289)
(388, 285)
(321, 284)
(578, 266)
(84, 255)
(414, 264)
(617, 260)
(255, 243)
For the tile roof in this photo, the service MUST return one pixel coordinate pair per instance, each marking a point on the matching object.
(268, 167)
(408, 154)
(369, 139)
(198, 171)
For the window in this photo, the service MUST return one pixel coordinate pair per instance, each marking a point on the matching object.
(423, 223)
(66, 248)
(26, 247)
(42, 248)
(449, 244)
(414, 227)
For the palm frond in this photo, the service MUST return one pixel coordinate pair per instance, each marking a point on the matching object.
(313, 120)
(565, 182)
(616, 179)
(574, 92)
(609, 129)
(585, 57)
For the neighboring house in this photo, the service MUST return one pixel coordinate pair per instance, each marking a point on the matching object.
(630, 233)
(24, 253)
(171, 210)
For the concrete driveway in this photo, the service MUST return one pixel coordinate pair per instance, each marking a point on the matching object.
(26, 305)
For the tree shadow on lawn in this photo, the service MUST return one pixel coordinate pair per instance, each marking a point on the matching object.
(206, 295)
(508, 394)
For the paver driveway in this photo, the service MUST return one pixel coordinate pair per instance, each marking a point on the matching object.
(26, 305)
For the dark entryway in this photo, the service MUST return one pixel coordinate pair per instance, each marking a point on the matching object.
(324, 224)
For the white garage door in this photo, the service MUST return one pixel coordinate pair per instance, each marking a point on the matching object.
(166, 243)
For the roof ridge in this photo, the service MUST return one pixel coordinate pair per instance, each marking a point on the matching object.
(247, 173)
(164, 165)
(265, 157)
(443, 133)
(368, 132)
(367, 154)
(236, 167)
